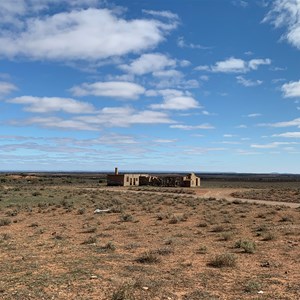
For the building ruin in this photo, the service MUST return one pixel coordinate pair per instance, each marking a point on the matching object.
(131, 179)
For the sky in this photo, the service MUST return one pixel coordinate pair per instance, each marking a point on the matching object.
(173, 85)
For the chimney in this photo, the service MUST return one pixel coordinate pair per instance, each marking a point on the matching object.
(116, 171)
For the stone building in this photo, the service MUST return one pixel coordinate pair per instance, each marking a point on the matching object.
(124, 179)
(191, 180)
(129, 179)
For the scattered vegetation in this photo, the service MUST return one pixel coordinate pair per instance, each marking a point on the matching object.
(247, 246)
(226, 260)
(148, 246)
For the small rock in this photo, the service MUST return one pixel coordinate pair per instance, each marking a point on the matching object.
(145, 288)
(93, 277)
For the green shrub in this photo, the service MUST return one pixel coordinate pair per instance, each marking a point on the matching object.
(90, 240)
(252, 286)
(226, 260)
(126, 218)
(5, 222)
(148, 257)
(124, 292)
(247, 246)
(201, 250)
(226, 236)
(269, 236)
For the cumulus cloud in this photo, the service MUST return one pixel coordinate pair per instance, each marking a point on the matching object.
(286, 14)
(192, 127)
(53, 104)
(234, 65)
(117, 89)
(247, 82)
(291, 89)
(11, 10)
(177, 103)
(149, 63)
(83, 34)
(231, 65)
(6, 88)
(174, 100)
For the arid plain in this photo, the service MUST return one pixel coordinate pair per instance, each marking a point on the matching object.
(152, 243)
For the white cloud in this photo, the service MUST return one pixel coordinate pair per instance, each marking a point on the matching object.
(192, 127)
(175, 100)
(106, 117)
(177, 103)
(124, 117)
(184, 63)
(295, 134)
(149, 63)
(255, 63)
(235, 65)
(202, 68)
(182, 44)
(246, 152)
(276, 80)
(91, 34)
(247, 82)
(207, 113)
(112, 139)
(52, 104)
(295, 122)
(241, 3)
(231, 65)
(168, 73)
(291, 89)
(164, 141)
(163, 13)
(201, 150)
(54, 122)
(286, 14)
(116, 89)
(254, 115)
(178, 82)
(264, 146)
(7, 87)
(11, 10)
(272, 145)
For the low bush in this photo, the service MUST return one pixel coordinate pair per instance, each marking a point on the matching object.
(226, 260)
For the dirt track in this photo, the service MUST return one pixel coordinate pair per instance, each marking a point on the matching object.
(226, 194)
(218, 193)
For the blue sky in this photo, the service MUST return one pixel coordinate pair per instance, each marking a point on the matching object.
(194, 85)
